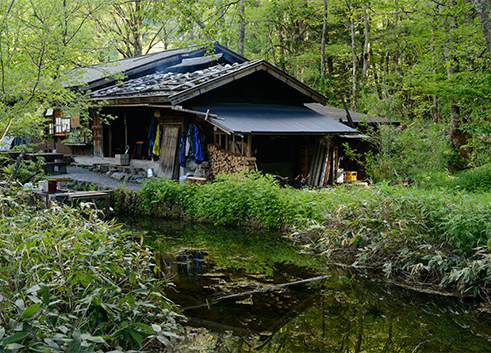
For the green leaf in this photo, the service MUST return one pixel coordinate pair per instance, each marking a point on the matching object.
(45, 293)
(31, 310)
(76, 345)
(131, 300)
(96, 339)
(138, 338)
(19, 303)
(16, 337)
(14, 347)
(142, 326)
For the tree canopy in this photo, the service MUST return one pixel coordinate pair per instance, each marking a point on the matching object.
(400, 59)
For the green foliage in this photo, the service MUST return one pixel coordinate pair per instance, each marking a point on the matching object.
(28, 171)
(431, 236)
(248, 199)
(417, 152)
(476, 180)
(70, 284)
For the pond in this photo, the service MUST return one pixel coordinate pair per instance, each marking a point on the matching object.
(255, 291)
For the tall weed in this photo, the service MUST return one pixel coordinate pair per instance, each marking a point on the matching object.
(434, 237)
(247, 199)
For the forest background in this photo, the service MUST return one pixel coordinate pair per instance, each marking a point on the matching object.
(425, 63)
(419, 61)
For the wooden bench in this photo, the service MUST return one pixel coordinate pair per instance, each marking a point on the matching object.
(49, 167)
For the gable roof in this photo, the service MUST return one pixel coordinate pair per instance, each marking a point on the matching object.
(175, 87)
(105, 74)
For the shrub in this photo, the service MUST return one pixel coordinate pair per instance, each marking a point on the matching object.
(417, 152)
(434, 237)
(248, 199)
(70, 284)
(476, 180)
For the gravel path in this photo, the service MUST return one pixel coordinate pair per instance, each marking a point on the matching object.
(82, 174)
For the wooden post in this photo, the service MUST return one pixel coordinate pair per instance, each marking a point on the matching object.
(125, 133)
(249, 146)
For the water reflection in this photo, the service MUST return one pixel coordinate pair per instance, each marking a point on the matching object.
(229, 285)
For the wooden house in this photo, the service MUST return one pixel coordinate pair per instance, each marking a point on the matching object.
(245, 114)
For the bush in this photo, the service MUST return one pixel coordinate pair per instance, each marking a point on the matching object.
(70, 284)
(432, 237)
(247, 199)
(476, 180)
(417, 152)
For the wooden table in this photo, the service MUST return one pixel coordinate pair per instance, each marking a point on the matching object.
(73, 196)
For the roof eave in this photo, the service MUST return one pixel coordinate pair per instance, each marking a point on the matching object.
(247, 70)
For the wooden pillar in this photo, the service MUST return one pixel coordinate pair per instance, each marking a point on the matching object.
(249, 146)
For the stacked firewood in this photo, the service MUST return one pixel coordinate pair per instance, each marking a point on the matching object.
(227, 162)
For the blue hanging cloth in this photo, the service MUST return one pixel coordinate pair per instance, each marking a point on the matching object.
(182, 150)
(191, 145)
(199, 156)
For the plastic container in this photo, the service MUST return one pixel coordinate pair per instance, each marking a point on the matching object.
(150, 173)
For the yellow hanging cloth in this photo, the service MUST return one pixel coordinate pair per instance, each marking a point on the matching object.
(156, 145)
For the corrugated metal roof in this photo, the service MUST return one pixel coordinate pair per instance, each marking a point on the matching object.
(257, 119)
(340, 114)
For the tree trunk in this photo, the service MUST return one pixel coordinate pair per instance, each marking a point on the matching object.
(366, 46)
(435, 111)
(240, 45)
(458, 137)
(136, 28)
(270, 39)
(323, 41)
(282, 48)
(353, 49)
(16, 166)
(483, 9)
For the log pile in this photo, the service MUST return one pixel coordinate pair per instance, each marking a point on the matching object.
(227, 162)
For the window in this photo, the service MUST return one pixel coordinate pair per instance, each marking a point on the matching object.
(60, 126)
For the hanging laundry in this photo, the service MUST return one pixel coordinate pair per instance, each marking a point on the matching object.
(152, 132)
(156, 146)
(182, 150)
(191, 148)
(199, 156)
